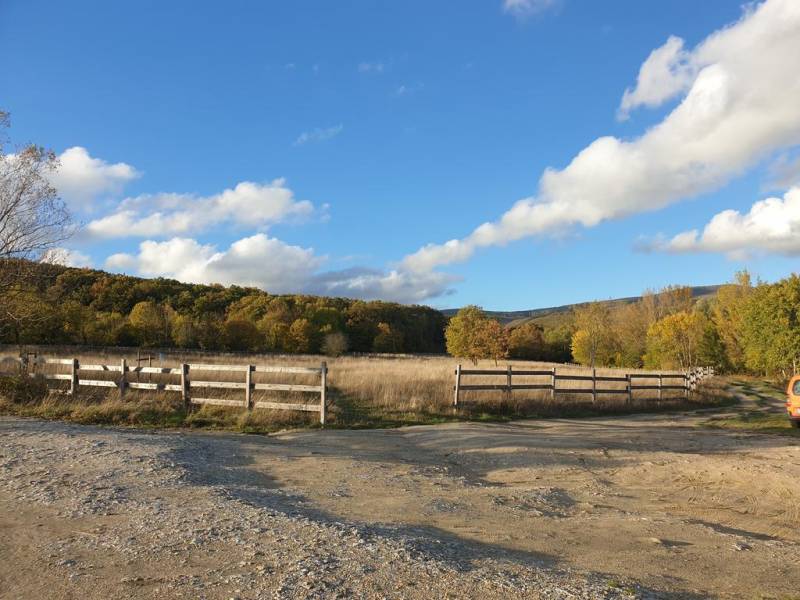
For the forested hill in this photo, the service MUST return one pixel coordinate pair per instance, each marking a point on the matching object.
(85, 306)
(554, 315)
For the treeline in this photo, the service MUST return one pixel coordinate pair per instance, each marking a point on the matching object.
(743, 328)
(83, 306)
(473, 335)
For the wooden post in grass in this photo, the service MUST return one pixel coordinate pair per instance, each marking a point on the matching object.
(630, 387)
(508, 381)
(686, 385)
(185, 385)
(123, 368)
(248, 389)
(323, 388)
(458, 384)
(594, 386)
(553, 384)
(660, 387)
(73, 382)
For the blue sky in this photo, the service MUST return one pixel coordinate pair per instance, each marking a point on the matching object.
(369, 130)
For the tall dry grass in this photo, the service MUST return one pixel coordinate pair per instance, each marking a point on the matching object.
(364, 391)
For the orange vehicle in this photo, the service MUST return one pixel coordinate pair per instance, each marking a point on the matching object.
(793, 401)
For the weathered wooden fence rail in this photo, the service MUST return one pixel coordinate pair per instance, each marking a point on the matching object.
(204, 380)
(689, 381)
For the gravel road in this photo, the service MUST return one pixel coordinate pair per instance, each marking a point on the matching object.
(91, 512)
(648, 506)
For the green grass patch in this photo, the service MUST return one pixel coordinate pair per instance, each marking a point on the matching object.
(757, 422)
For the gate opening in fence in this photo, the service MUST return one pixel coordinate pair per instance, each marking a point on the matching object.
(194, 377)
(659, 382)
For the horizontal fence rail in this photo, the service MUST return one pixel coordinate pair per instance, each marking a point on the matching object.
(195, 376)
(688, 382)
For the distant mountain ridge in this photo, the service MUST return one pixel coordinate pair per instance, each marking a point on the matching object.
(544, 315)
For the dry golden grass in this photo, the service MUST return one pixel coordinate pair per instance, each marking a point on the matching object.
(364, 391)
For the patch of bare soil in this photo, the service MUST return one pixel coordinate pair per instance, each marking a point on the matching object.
(646, 506)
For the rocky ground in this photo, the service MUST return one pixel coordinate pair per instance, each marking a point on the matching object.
(647, 506)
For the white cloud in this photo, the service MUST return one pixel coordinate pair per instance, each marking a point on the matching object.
(666, 73)
(318, 135)
(522, 9)
(275, 266)
(742, 105)
(371, 67)
(67, 258)
(82, 179)
(248, 204)
(771, 226)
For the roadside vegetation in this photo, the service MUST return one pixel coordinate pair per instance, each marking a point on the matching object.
(363, 392)
(761, 408)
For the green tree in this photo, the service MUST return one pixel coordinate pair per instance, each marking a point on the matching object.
(151, 322)
(727, 312)
(674, 341)
(463, 334)
(300, 337)
(527, 342)
(388, 339)
(593, 341)
(493, 340)
(184, 332)
(241, 334)
(771, 328)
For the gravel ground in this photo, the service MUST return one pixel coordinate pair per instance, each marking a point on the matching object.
(89, 512)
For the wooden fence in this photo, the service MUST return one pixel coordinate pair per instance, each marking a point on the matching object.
(189, 383)
(688, 382)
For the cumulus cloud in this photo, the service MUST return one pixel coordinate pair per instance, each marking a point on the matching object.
(667, 72)
(741, 105)
(273, 265)
(247, 204)
(82, 179)
(318, 135)
(67, 258)
(771, 226)
(522, 9)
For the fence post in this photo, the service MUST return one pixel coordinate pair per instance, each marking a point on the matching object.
(686, 385)
(185, 385)
(508, 381)
(323, 390)
(73, 382)
(629, 383)
(248, 390)
(123, 368)
(458, 384)
(594, 385)
(660, 387)
(553, 384)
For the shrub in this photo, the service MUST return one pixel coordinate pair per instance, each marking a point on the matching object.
(335, 344)
(21, 389)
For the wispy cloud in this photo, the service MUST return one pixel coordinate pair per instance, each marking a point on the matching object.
(406, 89)
(371, 67)
(320, 134)
(522, 9)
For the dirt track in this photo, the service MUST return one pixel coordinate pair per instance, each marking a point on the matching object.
(651, 505)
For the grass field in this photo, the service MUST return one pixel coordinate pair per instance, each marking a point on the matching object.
(364, 391)
(762, 412)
